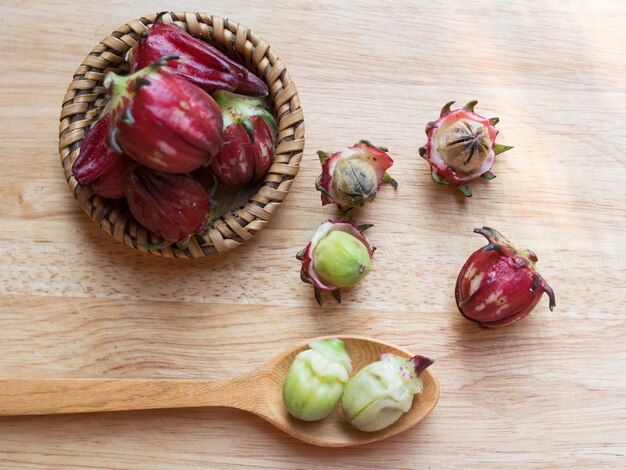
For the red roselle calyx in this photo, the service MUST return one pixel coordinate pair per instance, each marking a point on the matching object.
(111, 183)
(95, 156)
(498, 284)
(200, 63)
(461, 146)
(173, 206)
(249, 135)
(162, 121)
(351, 177)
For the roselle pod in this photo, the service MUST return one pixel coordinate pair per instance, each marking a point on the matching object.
(352, 177)
(380, 393)
(172, 206)
(316, 378)
(337, 256)
(110, 184)
(498, 284)
(461, 146)
(95, 156)
(249, 135)
(200, 63)
(163, 121)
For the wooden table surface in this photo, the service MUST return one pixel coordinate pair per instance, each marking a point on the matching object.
(549, 391)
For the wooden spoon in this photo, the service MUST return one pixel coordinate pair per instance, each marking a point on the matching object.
(259, 392)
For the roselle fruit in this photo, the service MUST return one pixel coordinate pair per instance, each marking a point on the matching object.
(380, 393)
(172, 206)
(111, 183)
(249, 135)
(352, 177)
(163, 121)
(315, 380)
(498, 284)
(200, 63)
(461, 147)
(95, 156)
(337, 256)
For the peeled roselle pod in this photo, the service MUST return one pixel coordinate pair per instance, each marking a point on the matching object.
(95, 156)
(351, 177)
(162, 121)
(316, 379)
(461, 146)
(249, 135)
(200, 63)
(498, 284)
(173, 206)
(337, 256)
(380, 393)
(111, 183)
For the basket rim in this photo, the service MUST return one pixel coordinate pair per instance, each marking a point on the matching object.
(85, 99)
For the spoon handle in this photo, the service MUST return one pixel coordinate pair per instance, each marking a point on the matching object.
(32, 396)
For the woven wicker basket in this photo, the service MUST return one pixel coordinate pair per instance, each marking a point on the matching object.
(240, 219)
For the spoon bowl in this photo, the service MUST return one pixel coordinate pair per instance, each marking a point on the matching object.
(259, 392)
(335, 430)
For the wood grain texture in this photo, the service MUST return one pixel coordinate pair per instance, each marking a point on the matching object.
(546, 392)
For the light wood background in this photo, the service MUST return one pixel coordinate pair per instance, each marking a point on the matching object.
(549, 391)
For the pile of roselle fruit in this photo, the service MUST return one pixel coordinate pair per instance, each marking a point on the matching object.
(186, 115)
(497, 286)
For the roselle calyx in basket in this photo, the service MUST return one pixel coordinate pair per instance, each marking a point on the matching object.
(352, 177)
(172, 206)
(249, 136)
(111, 183)
(337, 256)
(163, 121)
(461, 146)
(95, 156)
(200, 63)
(498, 284)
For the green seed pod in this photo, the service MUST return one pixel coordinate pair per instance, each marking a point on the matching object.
(337, 256)
(316, 379)
(341, 260)
(381, 392)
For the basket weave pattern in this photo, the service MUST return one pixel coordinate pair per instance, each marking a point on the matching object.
(85, 99)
